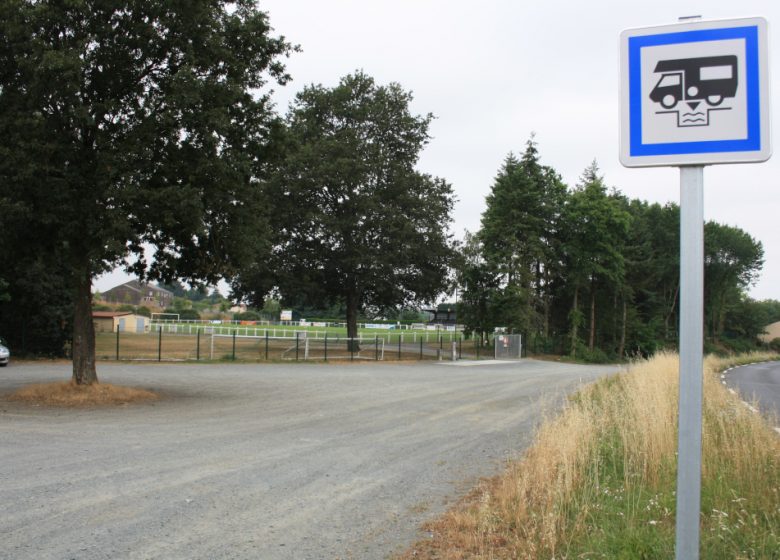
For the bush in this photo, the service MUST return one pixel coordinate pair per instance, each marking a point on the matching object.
(184, 314)
(595, 356)
(247, 316)
(189, 315)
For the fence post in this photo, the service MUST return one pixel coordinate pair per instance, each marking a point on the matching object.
(400, 338)
(117, 343)
(297, 344)
(376, 348)
(197, 346)
(266, 345)
(326, 346)
(234, 345)
(159, 344)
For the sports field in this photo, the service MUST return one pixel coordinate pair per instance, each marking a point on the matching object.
(179, 341)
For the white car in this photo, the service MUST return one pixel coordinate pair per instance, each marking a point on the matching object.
(5, 353)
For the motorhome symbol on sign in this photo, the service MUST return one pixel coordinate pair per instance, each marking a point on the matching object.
(695, 93)
(702, 83)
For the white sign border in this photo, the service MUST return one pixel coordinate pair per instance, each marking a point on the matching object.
(755, 149)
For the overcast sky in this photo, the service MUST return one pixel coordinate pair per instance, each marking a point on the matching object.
(496, 71)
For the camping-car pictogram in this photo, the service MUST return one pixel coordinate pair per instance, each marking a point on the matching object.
(701, 84)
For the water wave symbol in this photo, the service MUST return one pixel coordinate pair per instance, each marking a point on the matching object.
(694, 117)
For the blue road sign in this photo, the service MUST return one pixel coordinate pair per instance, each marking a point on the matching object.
(695, 93)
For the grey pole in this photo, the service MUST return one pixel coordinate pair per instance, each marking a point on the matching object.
(691, 361)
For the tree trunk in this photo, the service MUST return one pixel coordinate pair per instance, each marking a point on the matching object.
(592, 335)
(546, 305)
(353, 344)
(546, 324)
(671, 311)
(575, 321)
(622, 347)
(84, 372)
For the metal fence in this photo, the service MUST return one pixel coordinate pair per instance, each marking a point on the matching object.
(283, 331)
(236, 345)
(507, 346)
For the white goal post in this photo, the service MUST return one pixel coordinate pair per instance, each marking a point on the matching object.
(158, 320)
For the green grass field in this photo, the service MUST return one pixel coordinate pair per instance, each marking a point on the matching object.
(249, 343)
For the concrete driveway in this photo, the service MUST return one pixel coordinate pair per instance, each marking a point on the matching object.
(261, 461)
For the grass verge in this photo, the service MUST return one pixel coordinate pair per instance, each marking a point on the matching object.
(599, 480)
(68, 394)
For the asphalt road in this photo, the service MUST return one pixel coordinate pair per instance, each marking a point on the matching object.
(261, 461)
(759, 383)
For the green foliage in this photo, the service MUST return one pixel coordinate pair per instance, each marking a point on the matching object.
(181, 304)
(594, 356)
(184, 314)
(590, 273)
(133, 128)
(409, 315)
(35, 314)
(520, 240)
(179, 290)
(247, 316)
(770, 310)
(353, 218)
(480, 285)
(732, 260)
(272, 308)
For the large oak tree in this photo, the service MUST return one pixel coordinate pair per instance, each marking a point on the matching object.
(135, 128)
(354, 220)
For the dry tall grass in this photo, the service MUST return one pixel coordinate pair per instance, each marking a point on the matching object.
(599, 480)
(68, 394)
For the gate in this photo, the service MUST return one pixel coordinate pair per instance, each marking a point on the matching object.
(508, 346)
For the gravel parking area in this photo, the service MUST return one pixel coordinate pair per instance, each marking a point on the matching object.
(261, 461)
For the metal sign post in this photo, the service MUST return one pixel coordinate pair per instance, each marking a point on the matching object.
(693, 94)
(691, 360)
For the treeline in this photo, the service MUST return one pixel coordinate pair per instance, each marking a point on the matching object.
(143, 136)
(588, 272)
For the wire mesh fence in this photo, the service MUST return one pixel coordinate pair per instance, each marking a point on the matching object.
(507, 346)
(203, 344)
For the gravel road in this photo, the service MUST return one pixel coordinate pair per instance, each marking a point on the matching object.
(261, 461)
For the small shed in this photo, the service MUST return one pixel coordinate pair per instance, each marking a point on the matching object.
(122, 321)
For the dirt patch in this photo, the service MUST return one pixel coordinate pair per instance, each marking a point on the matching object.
(68, 394)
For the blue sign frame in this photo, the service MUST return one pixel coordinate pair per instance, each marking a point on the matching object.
(750, 144)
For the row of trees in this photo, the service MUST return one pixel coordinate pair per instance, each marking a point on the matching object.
(141, 134)
(589, 272)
